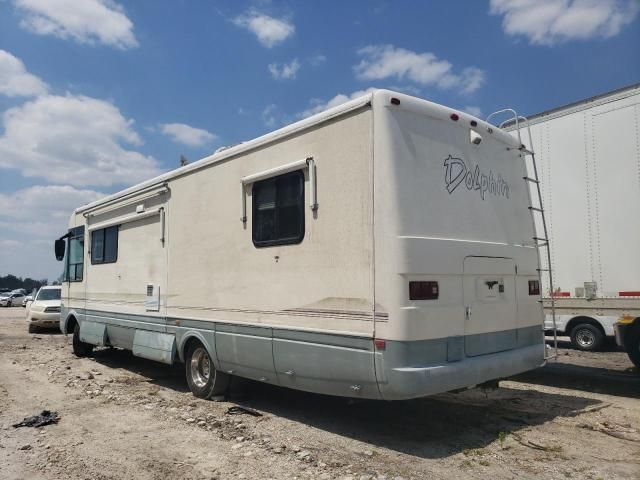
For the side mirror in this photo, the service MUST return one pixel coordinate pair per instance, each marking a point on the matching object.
(60, 246)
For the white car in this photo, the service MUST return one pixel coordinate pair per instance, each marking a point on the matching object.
(11, 299)
(44, 311)
(27, 299)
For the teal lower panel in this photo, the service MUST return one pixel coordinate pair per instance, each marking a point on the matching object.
(327, 369)
(327, 363)
(93, 333)
(160, 347)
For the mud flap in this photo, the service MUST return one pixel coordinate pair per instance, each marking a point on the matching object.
(160, 347)
(94, 333)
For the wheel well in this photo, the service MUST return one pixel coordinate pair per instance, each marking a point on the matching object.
(188, 343)
(71, 324)
(578, 320)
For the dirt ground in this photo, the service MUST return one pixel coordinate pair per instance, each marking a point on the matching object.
(124, 417)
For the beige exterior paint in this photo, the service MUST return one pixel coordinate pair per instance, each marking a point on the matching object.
(214, 272)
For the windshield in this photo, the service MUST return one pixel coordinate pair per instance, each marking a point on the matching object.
(49, 294)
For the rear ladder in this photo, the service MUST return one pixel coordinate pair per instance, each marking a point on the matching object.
(542, 243)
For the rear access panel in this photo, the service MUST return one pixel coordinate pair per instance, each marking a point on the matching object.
(490, 305)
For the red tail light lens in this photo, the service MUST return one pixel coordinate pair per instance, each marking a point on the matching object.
(423, 290)
(534, 287)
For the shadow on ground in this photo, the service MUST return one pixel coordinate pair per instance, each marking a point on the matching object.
(432, 427)
(586, 378)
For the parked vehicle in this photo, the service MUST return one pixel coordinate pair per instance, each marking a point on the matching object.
(588, 157)
(381, 249)
(628, 337)
(44, 310)
(11, 299)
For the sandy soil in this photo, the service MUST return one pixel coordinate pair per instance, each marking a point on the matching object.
(124, 417)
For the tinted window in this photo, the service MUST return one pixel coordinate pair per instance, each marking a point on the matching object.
(75, 256)
(278, 210)
(104, 245)
(49, 294)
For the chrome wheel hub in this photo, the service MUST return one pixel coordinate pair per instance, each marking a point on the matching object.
(585, 338)
(200, 367)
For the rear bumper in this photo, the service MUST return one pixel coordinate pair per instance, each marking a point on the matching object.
(412, 382)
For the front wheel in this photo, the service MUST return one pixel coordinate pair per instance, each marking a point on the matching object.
(80, 348)
(203, 378)
(586, 337)
(632, 345)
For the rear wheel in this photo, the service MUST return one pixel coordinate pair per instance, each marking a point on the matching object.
(80, 348)
(32, 328)
(203, 378)
(632, 345)
(586, 337)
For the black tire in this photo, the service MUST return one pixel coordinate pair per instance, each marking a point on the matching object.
(632, 345)
(9, 303)
(32, 328)
(586, 337)
(202, 377)
(80, 348)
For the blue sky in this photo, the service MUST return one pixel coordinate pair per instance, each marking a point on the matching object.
(96, 95)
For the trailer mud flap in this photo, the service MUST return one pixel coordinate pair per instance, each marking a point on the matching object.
(94, 333)
(160, 347)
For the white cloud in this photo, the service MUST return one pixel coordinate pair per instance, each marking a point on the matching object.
(85, 21)
(473, 110)
(15, 81)
(317, 60)
(187, 135)
(30, 219)
(73, 140)
(387, 61)
(272, 116)
(318, 105)
(284, 71)
(552, 21)
(269, 30)
(50, 205)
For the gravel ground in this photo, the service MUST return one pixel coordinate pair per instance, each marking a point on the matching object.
(124, 417)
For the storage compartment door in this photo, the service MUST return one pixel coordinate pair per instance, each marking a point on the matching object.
(490, 305)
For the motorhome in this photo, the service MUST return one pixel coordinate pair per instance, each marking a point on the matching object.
(382, 249)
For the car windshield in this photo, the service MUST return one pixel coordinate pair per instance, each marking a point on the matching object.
(5, 294)
(49, 294)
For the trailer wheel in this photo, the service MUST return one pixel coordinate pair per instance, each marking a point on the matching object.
(632, 345)
(586, 337)
(203, 378)
(80, 348)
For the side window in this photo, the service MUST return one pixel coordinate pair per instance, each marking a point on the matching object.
(278, 210)
(104, 245)
(75, 257)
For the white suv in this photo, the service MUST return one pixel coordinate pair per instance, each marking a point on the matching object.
(44, 311)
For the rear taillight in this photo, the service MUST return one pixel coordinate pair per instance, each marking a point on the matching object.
(423, 290)
(534, 287)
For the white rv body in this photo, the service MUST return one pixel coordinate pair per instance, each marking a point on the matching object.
(394, 192)
(588, 154)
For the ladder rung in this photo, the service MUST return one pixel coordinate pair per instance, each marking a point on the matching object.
(532, 180)
(536, 209)
(543, 269)
(542, 239)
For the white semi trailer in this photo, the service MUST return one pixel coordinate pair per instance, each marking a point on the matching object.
(588, 156)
